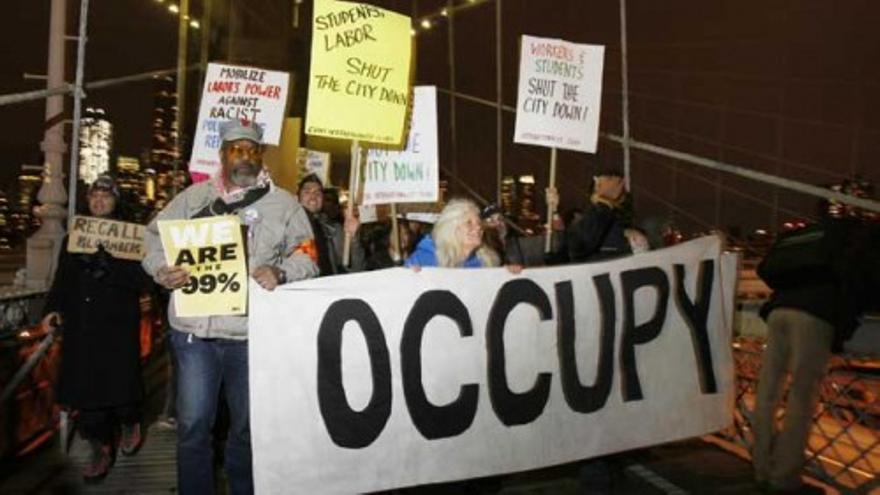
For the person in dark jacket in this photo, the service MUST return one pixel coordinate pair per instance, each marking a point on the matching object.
(808, 317)
(330, 234)
(499, 237)
(95, 297)
(599, 234)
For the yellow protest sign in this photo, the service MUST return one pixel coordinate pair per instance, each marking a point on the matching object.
(360, 73)
(121, 239)
(211, 249)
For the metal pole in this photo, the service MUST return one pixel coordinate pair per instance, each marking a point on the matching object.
(64, 89)
(205, 33)
(78, 95)
(450, 7)
(182, 42)
(625, 94)
(27, 366)
(499, 122)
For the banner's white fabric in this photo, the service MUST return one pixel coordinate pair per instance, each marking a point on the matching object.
(395, 378)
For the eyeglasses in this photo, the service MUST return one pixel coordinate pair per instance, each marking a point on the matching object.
(242, 150)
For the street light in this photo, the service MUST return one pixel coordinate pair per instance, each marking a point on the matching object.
(173, 8)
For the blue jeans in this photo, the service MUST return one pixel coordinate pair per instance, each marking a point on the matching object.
(205, 364)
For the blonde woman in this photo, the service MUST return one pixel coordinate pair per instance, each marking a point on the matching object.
(456, 241)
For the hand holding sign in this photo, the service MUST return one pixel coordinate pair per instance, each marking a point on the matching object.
(172, 277)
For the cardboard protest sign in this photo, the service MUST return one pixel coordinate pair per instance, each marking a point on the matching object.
(368, 214)
(560, 93)
(237, 93)
(212, 250)
(410, 175)
(396, 378)
(314, 162)
(360, 69)
(121, 239)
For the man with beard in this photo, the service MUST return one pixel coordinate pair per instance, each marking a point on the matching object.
(213, 351)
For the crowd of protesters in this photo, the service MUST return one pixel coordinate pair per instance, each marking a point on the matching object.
(291, 238)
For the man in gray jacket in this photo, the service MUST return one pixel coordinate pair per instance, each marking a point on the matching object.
(212, 351)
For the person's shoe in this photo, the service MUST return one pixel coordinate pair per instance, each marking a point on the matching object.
(99, 463)
(131, 439)
(168, 423)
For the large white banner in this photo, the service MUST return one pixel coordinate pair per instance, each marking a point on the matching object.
(395, 378)
(560, 93)
(410, 175)
(234, 92)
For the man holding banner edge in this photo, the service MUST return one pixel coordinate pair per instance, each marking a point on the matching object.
(213, 350)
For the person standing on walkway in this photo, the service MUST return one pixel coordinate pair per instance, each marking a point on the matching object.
(823, 278)
(96, 298)
(213, 351)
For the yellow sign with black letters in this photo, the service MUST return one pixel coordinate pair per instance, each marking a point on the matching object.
(212, 250)
(359, 86)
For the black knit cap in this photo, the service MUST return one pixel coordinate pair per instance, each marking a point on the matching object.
(489, 210)
(104, 183)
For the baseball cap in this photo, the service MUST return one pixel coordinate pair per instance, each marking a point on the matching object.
(233, 130)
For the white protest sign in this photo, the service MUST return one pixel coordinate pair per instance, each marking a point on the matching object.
(396, 378)
(314, 162)
(367, 214)
(237, 93)
(560, 93)
(410, 175)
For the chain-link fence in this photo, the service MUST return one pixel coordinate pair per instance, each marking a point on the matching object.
(844, 445)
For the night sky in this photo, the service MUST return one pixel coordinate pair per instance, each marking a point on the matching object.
(125, 37)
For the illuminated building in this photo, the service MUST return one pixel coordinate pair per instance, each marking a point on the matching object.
(95, 142)
(22, 219)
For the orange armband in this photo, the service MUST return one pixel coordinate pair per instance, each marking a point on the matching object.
(308, 248)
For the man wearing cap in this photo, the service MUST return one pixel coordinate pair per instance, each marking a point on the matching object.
(95, 297)
(599, 234)
(213, 351)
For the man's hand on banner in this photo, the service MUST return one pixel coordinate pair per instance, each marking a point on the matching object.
(172, 277)
(514, 268)
(269, 277)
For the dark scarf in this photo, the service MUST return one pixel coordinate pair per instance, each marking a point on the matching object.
(220, 207)
(325, 260)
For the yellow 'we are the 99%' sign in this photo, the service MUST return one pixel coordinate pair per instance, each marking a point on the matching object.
(359, 84)
(211, 249)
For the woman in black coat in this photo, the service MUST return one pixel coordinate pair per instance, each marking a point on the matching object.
(95, 297)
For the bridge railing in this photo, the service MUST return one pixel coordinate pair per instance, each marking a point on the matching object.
(844, 446)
